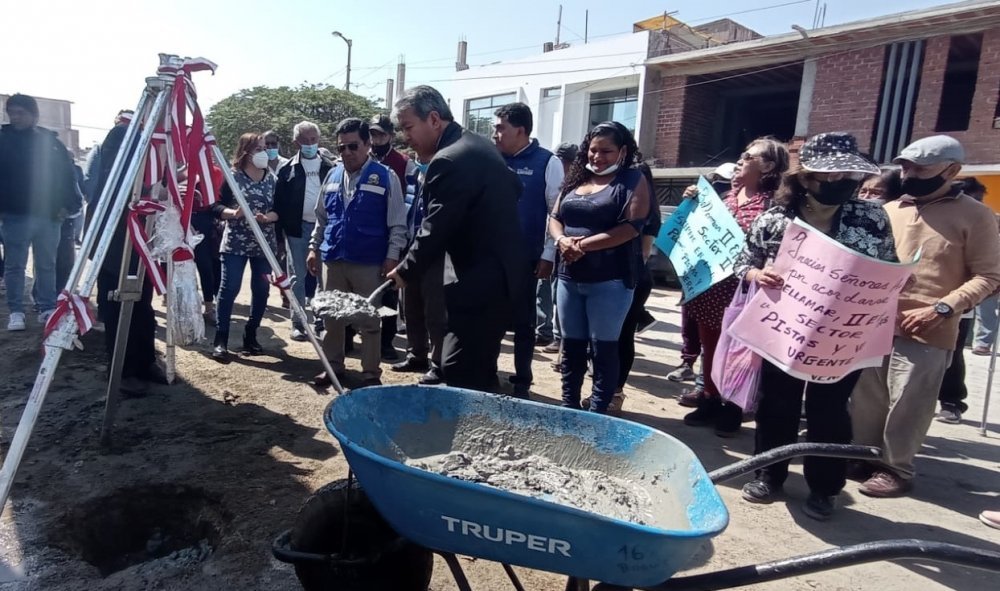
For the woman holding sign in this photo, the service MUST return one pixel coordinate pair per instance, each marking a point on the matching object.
(819, 192)
(596, 223)
(758, 174)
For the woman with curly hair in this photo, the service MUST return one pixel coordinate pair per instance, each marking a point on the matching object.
(758, 174)
(596, 223)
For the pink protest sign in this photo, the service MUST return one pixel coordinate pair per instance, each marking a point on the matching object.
(834, 314)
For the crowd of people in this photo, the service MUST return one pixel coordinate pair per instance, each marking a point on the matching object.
(487, 237)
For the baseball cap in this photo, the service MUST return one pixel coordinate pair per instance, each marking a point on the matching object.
(933, 150)
(567, 151)
(725, 170)
(382, 123)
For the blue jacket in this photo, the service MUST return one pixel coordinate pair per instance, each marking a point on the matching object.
(533, 210)
(357, 233)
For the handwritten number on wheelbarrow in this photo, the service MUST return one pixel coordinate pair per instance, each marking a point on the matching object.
(634, 554)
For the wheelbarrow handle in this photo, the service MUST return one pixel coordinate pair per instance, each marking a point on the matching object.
(785, 452)
(828, 560)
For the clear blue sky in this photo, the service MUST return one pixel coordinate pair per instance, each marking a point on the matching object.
(97, 53)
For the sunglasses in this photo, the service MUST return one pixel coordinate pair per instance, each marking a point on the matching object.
(353, 146)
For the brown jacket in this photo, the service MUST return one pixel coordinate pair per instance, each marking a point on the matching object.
(959, 262)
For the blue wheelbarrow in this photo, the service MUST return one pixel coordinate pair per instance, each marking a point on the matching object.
(379, 532)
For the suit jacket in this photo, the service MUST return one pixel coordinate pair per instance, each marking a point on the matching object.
(472, 217)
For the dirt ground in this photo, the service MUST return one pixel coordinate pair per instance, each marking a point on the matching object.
(238, 447)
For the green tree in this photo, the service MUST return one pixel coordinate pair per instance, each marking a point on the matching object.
(261, 108)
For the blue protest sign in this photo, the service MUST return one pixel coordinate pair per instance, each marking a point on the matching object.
(702, 240)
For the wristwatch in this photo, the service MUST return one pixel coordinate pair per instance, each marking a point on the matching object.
(943, 309)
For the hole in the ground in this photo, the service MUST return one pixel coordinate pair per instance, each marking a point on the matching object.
(135, 525)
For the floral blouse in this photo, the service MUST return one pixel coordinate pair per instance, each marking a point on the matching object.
(238, 238)
(862, 226)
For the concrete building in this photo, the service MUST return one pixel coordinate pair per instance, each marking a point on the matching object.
(571, 88)
(54, 114)
(887, 80)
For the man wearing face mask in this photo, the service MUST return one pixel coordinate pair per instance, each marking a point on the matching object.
(296, 194)
(360, 232)
(272, 147)
(472, 223)
(382, 132)
(893, 405)
(542, 174)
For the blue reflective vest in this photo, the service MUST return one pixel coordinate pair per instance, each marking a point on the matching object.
(358, 233)
(530, 164)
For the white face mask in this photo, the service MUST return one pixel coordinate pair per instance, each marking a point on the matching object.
(609, 170)
(604, 172)
(260, 159)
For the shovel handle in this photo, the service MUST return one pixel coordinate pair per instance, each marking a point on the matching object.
(379, 291)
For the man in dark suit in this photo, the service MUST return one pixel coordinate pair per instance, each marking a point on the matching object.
(472, 220)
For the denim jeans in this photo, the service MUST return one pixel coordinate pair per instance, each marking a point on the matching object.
(591, 316)
(544, 307)
(592, 311)
(233, 266)
(986, 325)
(21, 232)
(297, 250)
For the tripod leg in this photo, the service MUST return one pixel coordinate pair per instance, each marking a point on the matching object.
(63, 335)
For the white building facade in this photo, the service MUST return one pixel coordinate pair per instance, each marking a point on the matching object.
(569, 90)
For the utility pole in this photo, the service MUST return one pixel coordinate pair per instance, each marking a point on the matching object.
(347, 84)
(558, 26)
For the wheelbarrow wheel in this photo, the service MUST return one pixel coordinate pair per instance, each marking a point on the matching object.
(373, 557)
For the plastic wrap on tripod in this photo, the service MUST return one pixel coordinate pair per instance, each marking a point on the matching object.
(186, 304)
(185, 301)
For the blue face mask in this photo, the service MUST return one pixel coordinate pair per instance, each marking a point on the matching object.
(272, 153)
(309, 150)
(421, 167)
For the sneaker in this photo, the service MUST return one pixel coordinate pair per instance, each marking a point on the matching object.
(760, 491)
(646, 322)
(43, 318)
(323, 380)
(885, 484)
(683, 373)
(552, 347)
(411, 364)
(950, 415)
(981, 350)
(690, 397)
(16, 321)
(990, 518)
(819, 507)
(220, 353)
(298, 335)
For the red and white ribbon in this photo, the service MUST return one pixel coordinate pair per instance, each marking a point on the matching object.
(282, 282)
(71, 303)
(137, 233)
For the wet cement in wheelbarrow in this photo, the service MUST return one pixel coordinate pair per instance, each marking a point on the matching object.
(495, 455)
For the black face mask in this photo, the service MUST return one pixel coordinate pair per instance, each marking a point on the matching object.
(381, 151)
(915, 187)
(836, 192)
